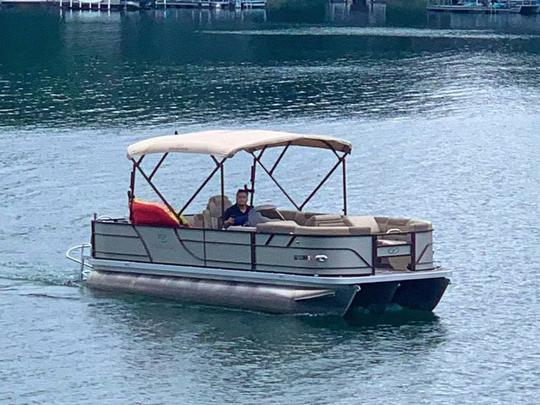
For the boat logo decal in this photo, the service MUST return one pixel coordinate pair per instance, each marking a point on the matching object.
(309, 258)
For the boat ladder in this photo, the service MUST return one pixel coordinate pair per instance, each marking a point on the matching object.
(81, 258)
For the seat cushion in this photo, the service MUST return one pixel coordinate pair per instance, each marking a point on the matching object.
(214, 205)
(326, 220)
(197, 221)
(323, 230)
(363, 222)
(277, 227)
(419, 225)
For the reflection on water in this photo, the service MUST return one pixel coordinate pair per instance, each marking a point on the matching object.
(185, 66)
(251, 350)
(444, 114)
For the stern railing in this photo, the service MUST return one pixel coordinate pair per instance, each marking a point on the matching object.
(81, 258)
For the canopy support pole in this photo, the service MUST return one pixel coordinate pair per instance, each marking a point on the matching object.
(344, 173)
(149, 181)
(279, 158)
(205, 182)
(252, 180)
(137, 166)
(258, 160)
(332, 170)
(222, 176)
(158, 165)
(253, 175)
(344, 177)
(131, 192)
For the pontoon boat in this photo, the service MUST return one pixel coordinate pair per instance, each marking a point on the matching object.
(283, 260)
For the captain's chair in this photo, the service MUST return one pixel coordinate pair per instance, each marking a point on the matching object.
(212, 214)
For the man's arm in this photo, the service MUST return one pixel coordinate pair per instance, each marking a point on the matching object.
(241, 219)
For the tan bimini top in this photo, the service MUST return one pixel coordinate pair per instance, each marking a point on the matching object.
(226, 143)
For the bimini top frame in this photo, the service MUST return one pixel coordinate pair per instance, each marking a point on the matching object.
(228, 143)
(221, 145)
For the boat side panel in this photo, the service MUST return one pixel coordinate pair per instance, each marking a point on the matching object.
(273, 239)
(229, 249)
(304, 261)
(424, 251)
(300, 254)
(167, 246)
(320, 255)
(111, 228)
(361, 245)
(190, 234)
(123, 245)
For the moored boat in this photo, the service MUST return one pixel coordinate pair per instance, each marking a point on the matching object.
(525, 7)
(281, 260)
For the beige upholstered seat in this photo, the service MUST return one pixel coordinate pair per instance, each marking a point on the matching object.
(277, 227)
(299, 217)
(403, 224)
(300, 223)
(196, 220)
(291, 227)
(212, 214)
(367, 222)
(326, 220)
(323, 230)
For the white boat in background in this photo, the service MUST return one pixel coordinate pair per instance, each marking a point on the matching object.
(283, 261)
(526, 7)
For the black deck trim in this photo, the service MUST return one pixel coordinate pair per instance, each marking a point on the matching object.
(267, 240)
(143, 243)
(290, 241)
(203, 259)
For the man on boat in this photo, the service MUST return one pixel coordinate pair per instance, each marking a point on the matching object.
(237, 214)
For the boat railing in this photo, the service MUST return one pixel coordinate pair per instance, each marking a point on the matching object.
(81, 258)
(415, 245)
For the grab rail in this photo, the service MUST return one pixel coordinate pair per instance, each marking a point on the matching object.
(81, 259)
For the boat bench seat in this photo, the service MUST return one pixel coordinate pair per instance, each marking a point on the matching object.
(403, 224)
(299, 217)
(363, 222)
(210, 218)
(291, 227)
(374, 224)
(335, 224)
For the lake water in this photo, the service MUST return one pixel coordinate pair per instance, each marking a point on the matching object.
(444, 114)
